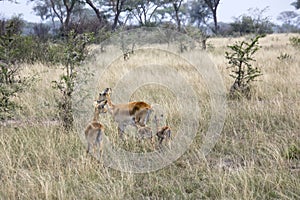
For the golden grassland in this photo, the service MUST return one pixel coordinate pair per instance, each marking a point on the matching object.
(256, 157)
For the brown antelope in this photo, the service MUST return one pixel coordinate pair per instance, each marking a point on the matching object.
(163, 132)
(132, 113)
(95, 130)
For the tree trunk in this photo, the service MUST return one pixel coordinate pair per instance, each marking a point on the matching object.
(69, 10)
(119, 6)
(176, 8)
(213, 5)
(215, 22)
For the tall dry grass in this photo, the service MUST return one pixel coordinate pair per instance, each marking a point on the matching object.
(256, 157)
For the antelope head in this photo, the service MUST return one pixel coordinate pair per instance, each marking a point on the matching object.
(104, 94)
(100, 106)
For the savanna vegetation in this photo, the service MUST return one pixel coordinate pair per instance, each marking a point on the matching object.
(257, 155)
(49, 80)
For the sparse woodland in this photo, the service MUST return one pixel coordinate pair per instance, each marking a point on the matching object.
(257, 155)
(47, 102)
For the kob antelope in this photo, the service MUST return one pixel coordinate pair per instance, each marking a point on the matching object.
(132, 113)
(95, 130)
(163, 132)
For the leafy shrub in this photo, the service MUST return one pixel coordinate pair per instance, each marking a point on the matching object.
(254, 21)
(295, 41)
(13, 50)
(239, 59)
(293, 152)
(75, 52)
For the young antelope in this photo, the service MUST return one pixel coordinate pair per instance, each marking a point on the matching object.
(163, 132)
(95, 130)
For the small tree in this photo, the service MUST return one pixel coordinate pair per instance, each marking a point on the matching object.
(213, 5)
(240, 58)
(75, 53)
(13, 50)
(199, 13)
(256, 22)
(64, 11)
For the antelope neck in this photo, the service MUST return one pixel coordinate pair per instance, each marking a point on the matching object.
(96, 115)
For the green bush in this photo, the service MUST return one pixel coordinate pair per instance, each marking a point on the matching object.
(240, 58)
(75, 52)
(293, 152)
(14, 49)
(295, 41)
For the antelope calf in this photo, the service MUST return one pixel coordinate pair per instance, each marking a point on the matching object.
(163, 133)
(132, 113)
(95, 130)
